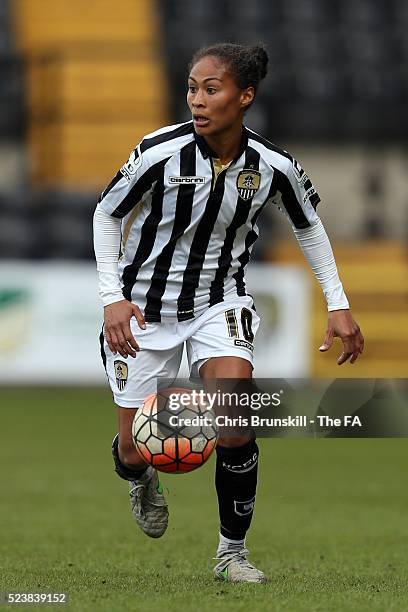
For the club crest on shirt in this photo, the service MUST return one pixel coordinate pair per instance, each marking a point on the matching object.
(248, 182)
(121, 374)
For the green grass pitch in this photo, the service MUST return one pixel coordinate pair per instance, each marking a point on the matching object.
(330, 526)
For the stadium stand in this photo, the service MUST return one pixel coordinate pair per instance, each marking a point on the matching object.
(94, 85)
(375, 275)
(82, 82)
(348, 53)
(12, 122)
(46, 224)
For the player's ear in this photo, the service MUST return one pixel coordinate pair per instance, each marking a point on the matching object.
(247, 97)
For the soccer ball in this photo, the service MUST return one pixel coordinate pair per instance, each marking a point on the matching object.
(172, 435)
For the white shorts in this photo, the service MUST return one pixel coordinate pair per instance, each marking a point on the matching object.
(225, 329)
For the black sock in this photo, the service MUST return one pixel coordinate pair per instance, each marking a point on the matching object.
(122, 470)
(235, 480)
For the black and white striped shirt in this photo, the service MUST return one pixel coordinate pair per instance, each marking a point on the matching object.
(189, 224)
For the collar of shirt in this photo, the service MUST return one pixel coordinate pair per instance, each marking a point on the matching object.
(206, 151)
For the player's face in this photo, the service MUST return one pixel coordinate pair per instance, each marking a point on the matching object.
(217, 104)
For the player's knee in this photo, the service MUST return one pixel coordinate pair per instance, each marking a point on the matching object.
(128, 454)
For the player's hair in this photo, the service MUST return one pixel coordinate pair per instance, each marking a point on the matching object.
(247, 64)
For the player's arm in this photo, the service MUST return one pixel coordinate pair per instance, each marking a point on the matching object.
(117, 310)
(316, 247)
(298, 199)
(126, 188)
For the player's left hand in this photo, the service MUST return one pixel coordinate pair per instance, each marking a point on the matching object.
(342, 325)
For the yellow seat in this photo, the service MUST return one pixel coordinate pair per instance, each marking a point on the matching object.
(374, 276)
(95, 85)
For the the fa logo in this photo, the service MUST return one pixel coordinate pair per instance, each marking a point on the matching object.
(352, 420)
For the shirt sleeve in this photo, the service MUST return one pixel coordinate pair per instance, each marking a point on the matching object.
(295, 195)
(107, 235)
(316, 248)
(129, 185)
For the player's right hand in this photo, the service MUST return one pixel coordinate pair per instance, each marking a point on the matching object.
(117, 327)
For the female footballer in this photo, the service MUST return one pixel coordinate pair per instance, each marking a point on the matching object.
(183, 213)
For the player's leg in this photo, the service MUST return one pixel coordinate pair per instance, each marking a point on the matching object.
(228, 335)
(235, 479)
(228, 372)
(127, 451)
(131, 381)
(147, 500)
